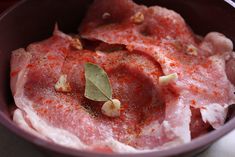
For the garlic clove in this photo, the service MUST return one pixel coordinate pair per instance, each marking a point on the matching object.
(62, 85)
(164, 80)
(111, 108)
(138, 18)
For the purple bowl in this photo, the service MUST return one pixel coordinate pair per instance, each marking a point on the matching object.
(33, 20)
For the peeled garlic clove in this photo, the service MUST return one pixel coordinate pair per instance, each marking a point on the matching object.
(138, 18)
(111, 108)
(106, 15)
(76, 43)
(191, 50)
(164, 80)
(62, 85)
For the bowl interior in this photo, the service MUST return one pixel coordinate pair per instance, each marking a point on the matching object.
(34, 21)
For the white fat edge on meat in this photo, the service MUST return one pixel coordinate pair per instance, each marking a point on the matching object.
(64, 137)
(22, 58)
(19, 119)
(176, 134)
(118, 146)
(59, 136)
(155, 129)
(215, 114)
(171, 133)
(182, 131)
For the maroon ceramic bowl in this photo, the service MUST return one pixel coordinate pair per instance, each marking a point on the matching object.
(33, 20)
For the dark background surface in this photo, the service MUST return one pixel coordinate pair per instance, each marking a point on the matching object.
(11, 145)
(6, 3)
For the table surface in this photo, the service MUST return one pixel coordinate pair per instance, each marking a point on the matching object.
(13, 146)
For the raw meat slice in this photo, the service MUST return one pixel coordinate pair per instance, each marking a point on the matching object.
(163, 35)
(23, 62)
(120, 27)
(70, 119)
(136, 45)
(140, 36)
(20, 119)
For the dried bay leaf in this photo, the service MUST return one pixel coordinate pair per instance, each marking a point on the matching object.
(98, 87)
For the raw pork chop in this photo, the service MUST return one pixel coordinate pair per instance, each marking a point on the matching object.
(163, 35)
(136, 45)
(69, 119)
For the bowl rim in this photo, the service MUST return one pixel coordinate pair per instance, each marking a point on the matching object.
(199, 142)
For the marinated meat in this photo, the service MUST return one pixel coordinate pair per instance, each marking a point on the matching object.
(136, 46)
(202, 83)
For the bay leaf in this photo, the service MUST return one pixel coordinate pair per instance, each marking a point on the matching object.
(98, 87)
